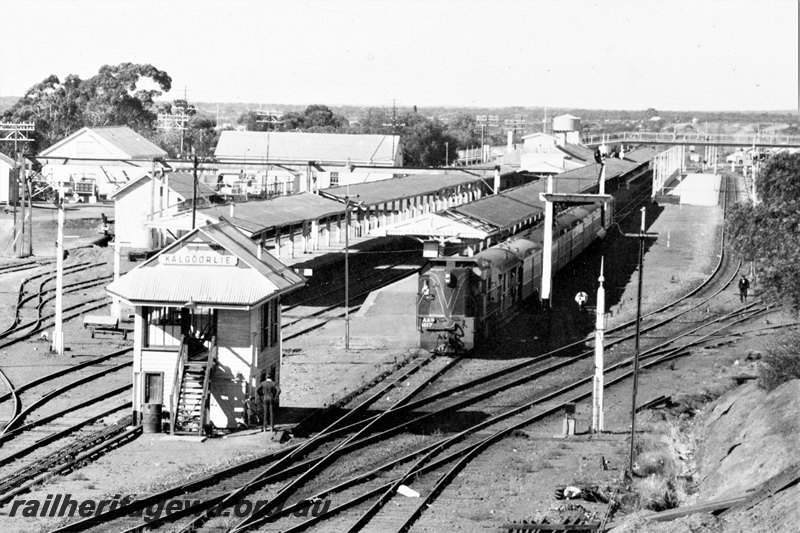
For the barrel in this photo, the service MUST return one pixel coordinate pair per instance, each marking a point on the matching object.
(151, 418)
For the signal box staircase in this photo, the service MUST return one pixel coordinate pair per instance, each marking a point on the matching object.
(190, 393)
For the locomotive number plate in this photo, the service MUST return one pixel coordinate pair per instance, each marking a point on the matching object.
(427, 321)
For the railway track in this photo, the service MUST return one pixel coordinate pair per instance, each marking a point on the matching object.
(422, 459)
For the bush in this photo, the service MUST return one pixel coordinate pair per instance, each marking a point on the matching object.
(781, 362)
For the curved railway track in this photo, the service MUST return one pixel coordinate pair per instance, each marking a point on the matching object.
(423, 457)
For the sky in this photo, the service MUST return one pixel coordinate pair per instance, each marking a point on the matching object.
(699, 55)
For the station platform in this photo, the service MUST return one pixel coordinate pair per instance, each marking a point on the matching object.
(698, 189)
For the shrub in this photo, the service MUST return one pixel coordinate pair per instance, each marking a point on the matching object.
(781, 362)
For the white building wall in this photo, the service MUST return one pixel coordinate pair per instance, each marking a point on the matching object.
(235, 366)
(130, 214)
(5, 181)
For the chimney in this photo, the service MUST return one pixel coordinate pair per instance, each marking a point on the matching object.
(233, 205)
(259, 248)
(497, 179)
(510, 142)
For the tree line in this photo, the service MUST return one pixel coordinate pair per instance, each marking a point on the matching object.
(127, 95)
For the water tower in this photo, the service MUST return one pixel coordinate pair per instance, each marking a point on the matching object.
(567, 129)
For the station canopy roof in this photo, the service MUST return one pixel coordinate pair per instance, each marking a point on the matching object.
(438, 226)
(379, 192)
(257, 216)
(212, 266)
(641, 155)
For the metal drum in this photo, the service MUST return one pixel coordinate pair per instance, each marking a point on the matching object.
(151, 418)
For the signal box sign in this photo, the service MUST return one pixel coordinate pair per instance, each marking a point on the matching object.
(199, 259)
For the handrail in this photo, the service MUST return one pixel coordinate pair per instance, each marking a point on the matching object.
(210, 361)
(177, 382)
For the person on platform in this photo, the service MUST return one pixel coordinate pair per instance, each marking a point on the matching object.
(581, 298)
(269, 396)
(744, 286)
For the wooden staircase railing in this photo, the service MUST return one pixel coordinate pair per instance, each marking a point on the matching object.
(177, 382)
(191, 390)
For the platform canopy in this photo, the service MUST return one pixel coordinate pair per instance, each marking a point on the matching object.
(213, 266)
(437, 226)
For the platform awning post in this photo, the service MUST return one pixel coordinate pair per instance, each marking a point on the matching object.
(547, 252)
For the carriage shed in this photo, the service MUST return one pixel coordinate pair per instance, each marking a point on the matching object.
(207, 326)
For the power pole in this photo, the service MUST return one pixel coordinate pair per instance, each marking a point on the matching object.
(194, 191)
(642, 235)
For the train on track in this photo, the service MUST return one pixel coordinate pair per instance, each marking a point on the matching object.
(461, 300)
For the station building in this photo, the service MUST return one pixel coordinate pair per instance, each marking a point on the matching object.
(207, 327)
(303, 162)
(92, 163)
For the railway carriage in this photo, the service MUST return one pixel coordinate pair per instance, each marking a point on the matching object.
(462, 300)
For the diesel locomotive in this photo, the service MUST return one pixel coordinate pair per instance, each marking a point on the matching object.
(461, 300)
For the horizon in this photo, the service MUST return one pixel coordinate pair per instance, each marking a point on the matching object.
(701, 56)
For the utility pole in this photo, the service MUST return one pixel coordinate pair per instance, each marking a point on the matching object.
(194, 191)
(642, 235)
(58, 334)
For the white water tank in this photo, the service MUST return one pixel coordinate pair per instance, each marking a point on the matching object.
(566, 123)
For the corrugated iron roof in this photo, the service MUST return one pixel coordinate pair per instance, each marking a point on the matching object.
(378, 192)
(256, 216)
(641, 155)
(303, 147)
(433, 225)
(179, 182)
(130, 142)
(252, 280)
(182, 183)
(578, 150)
(614, 167)
(122, 137)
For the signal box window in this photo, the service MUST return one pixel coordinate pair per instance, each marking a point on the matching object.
(334, 179)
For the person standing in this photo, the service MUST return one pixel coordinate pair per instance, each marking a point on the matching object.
(270, 392)
(744, 285)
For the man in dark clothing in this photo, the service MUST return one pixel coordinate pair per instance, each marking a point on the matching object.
(744, 285)
(270, 391)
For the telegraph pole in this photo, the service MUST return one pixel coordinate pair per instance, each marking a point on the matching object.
(194, 191)
(642, 235)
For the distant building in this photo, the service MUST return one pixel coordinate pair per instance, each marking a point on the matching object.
(304, 162)
(92, 163)
(7, 192)
(135, 201)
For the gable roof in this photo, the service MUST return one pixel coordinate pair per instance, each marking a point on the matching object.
(5, 159)
(179, 182)
(247, 285)
(300, 147)
(120, 142)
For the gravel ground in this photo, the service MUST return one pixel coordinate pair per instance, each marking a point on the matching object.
(511, 481)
